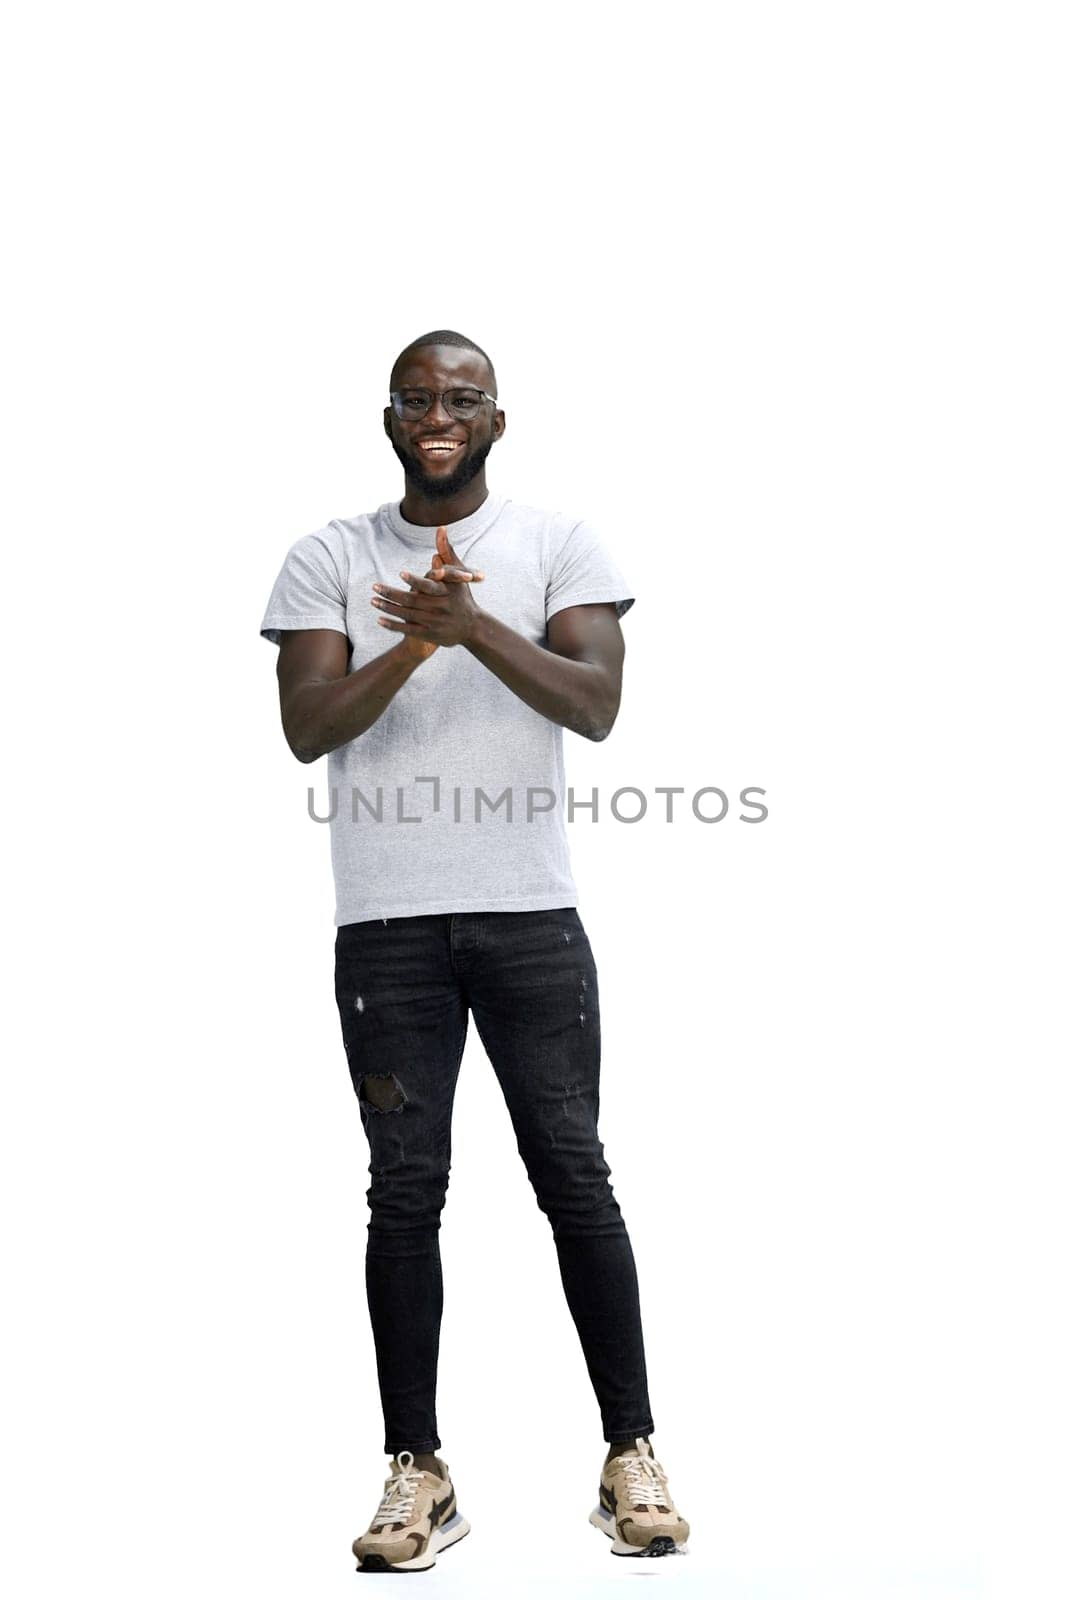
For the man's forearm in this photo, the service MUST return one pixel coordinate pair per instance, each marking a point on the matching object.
(578, 695)
(320, 717)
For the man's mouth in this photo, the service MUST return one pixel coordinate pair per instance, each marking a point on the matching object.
(439, 447)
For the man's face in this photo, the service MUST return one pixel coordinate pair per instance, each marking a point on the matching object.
(441, 454)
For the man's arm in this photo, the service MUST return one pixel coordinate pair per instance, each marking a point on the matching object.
(576, 681)
(323, 705)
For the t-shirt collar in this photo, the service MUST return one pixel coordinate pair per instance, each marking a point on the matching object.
(458, 532)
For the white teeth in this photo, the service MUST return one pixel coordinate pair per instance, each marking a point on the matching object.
(440, 446)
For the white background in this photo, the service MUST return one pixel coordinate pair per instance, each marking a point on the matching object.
(775, 295)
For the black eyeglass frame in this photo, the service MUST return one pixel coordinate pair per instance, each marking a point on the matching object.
(438, 394)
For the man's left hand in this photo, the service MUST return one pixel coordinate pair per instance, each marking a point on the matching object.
(439, 610)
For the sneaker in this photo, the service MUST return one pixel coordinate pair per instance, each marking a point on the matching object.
(635, 1509)
(417, 1517)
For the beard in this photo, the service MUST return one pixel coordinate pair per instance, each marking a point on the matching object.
(440, 488)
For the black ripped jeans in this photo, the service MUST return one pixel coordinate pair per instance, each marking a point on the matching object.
(404, 988)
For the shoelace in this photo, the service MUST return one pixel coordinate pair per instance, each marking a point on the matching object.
(398, 1501)
(646, 1481)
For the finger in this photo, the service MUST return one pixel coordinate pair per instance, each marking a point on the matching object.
(409, 602)
(396, 608)
(423, 585)
(459, 574)
(403, 627)
(402, 597)
(445, 550)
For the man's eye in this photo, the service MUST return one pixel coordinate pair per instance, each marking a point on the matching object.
(414, 399)
(466, 402)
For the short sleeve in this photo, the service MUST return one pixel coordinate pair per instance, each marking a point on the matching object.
(583, 573)
(309, 591)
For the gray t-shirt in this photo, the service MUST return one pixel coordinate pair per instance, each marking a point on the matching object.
(455, 799)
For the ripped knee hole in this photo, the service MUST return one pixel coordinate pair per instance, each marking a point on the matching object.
(382, 1092)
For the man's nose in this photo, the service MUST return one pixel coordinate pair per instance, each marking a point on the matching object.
(437, 411)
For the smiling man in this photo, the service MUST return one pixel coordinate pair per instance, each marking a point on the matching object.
(455, 898)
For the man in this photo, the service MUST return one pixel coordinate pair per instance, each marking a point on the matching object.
(454, 895)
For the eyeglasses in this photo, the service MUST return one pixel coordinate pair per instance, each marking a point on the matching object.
(463, 404)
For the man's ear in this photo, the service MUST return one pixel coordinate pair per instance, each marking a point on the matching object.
(500, 422)
(387, 422)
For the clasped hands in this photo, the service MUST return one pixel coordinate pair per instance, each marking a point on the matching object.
(435, 610)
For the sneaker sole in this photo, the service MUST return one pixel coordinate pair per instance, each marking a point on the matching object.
(449, 1533)
(661, 1545)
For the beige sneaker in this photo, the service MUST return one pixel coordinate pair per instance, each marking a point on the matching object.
(417, 1517)
(635, 1508)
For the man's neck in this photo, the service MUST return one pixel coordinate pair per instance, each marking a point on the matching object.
(426, 513)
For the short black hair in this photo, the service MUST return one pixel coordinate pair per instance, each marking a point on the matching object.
(442, 336)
